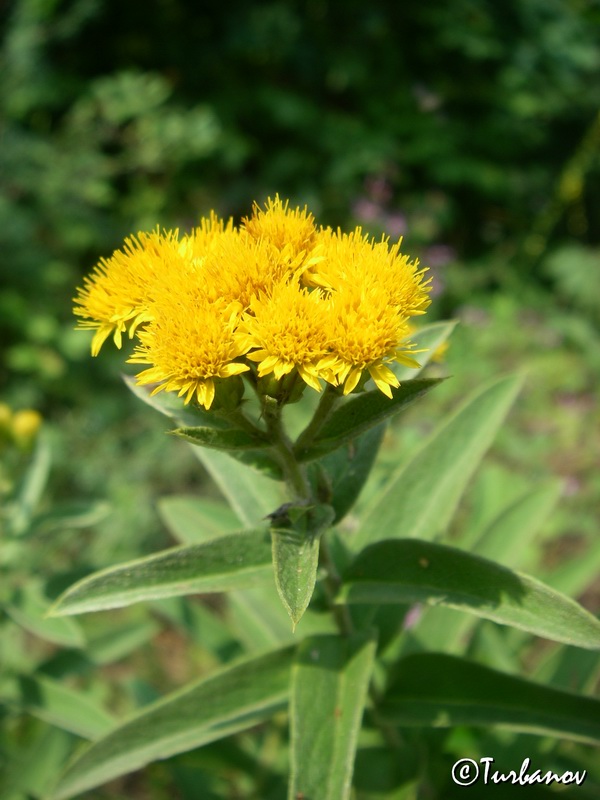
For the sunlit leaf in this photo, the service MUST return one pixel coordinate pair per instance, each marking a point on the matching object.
(420, 498)
(230, 439)
(234, 699)
(409, 570)
(362, 412)
(330, 679)
(296, 555)
(227, 562)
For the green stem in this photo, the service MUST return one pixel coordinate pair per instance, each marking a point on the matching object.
(392, 737)
(293, 472)
(332, 584)
(321, 415)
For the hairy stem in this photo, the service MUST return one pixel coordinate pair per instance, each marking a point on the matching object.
(332, 584)
(321, 415)
(293, 472)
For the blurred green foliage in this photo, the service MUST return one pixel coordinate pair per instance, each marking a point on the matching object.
(470, 127)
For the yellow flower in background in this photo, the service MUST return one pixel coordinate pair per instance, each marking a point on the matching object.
(189, 343)
(272, 296)
(19, 427)
(287, 329)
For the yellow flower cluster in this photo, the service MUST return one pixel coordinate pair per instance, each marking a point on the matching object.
(274, 295)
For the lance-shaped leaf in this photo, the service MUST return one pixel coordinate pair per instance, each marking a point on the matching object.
(330, 679)
(421, 497)
(508, 535)
(408, 570)
(29, 609)
(241, 445)
(193, 520)
(250, 495)
(227, 562)
(440, 690)
(231, 439)
(295, 536)
(233, 699)
(62, 706)
(346, 470)
(362, 412)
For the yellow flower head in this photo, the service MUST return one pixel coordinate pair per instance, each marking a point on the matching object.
(366, 332)
(286, 229)
(115, 298)
(273, 295)
(350, 259)
(189, 343)
(287, 329)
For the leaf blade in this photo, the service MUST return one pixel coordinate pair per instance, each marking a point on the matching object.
(231, 439)
(64, 707)
(363, 412)
(408, 570)
(296, 557)
(440, 690)
(251, 495)
(235, 698)
(329, 685)
(225, 562)
(440, 471)
(511, 531)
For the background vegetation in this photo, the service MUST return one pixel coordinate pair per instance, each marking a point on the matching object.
(471, 128)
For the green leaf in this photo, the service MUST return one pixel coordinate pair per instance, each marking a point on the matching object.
(577, 573)
(441, 691)
(408, 570)
(261, 460)
(70, 516)
(193, 520)
(259, 619)
(66, 708)
(508, 535)
(361, 412)
(329, 689)
(29, 609)
(252, 496)
(228, 562)
(428, 338)
(420, 498)
(32, 763)
(32, 487)
(231, 439)
(120, 640)
(348, 468)
(237, 697)
(296, 556)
